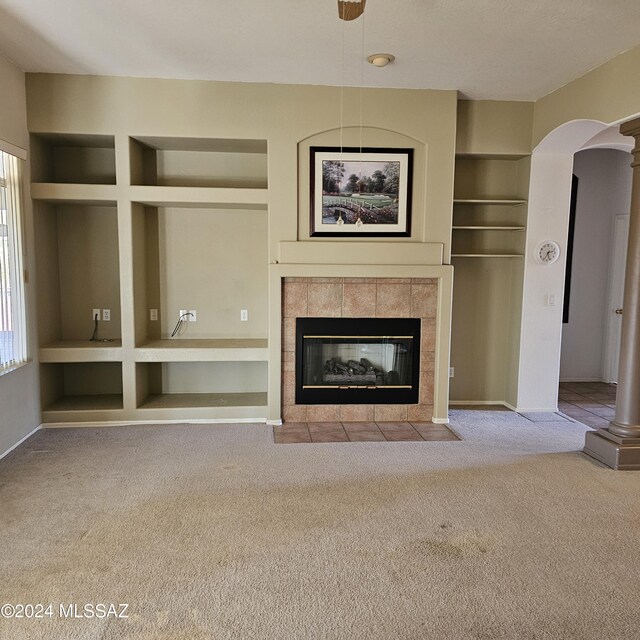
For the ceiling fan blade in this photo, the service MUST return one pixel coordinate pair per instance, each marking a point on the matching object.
(350, 10)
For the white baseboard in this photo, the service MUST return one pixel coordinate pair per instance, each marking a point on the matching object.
(440, 420)
(274, 423)
(478, 402)
(133, 423)
(485, 403)
(462, 403)
(17, 444)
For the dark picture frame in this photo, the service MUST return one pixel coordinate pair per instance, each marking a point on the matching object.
(360, 192)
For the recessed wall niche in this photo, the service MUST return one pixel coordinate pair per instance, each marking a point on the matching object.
(422, 210)
(83, 386)
(198, 162)
(73, 159)
(211, 259)
(78, 270)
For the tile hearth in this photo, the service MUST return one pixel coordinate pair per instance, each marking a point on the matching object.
(325, 432)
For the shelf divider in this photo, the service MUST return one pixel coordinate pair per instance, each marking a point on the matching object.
(95, 194)
(204, 350)
(483, 201)
(81, 351)
(219, 197)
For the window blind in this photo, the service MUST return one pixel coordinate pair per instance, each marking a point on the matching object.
(13, 335)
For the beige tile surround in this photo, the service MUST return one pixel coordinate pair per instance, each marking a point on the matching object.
(359, 298)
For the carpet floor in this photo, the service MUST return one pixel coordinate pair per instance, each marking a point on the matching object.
(213, 531)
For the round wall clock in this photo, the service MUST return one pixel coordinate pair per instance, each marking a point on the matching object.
(547, 252)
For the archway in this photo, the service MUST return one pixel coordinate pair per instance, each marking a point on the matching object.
(549, 200)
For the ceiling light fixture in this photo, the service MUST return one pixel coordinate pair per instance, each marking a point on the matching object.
(381, 59)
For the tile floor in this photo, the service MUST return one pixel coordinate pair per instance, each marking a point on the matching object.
(592, 403)
(301, 432)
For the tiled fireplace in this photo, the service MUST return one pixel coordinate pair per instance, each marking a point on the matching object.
(366, 299)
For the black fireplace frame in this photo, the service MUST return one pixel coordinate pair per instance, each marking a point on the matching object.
(355, 327)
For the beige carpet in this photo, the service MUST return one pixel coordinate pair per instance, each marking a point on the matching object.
(215, 532)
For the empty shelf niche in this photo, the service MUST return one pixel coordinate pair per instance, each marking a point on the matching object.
(487, 242)
(168, 385)
(489, 215)
(73, 159)
(491, 178)
(212, 261)
(81, 386)
(78, 271)
(198, 162)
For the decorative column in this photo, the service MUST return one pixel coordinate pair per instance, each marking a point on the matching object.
(618, 446)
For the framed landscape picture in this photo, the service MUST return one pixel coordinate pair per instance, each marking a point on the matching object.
(360, 192)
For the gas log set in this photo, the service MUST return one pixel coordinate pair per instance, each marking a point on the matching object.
(353, 372)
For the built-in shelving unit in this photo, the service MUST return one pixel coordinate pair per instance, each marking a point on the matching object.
(181, 224)
(489, 210)
(488, 243)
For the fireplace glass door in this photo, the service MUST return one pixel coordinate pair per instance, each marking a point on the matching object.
(357, 360)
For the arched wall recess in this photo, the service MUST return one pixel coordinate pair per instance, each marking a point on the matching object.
(356, 136)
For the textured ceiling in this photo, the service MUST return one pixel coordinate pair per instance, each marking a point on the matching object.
(486, 49)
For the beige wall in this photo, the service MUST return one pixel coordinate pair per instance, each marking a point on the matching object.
(12, 105)
(610, 93)
(214, 262)
(284, 115)
(19, 404)
(492, 127)
(290, 119)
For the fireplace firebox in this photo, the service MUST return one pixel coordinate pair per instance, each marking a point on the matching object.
(357, 360)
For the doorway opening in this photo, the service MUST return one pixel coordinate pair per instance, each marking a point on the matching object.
(591, 326)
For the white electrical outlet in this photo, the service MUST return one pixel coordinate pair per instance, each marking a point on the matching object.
(182, 312)
(244, 315)
(94, 313)
(452, 371)
(106, 315)
(153, 314)
(193, 317)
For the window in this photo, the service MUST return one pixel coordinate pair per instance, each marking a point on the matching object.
(13, 338)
